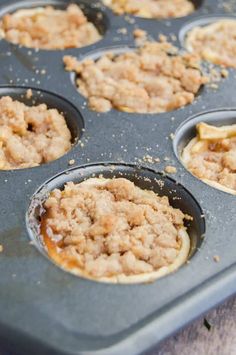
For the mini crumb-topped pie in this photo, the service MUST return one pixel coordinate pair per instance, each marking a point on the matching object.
(110, 230)
(152, 8)
(215, 43)
(49, 28)
(211, 156)
(30, 135)
(152, 79)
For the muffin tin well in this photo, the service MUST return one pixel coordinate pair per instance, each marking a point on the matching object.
(45, 310)
(117, 50)
(94, 14)
(72, 115)
(187, 129)
(201, 21)
(197, 4)
(144, 178)
(73, 118)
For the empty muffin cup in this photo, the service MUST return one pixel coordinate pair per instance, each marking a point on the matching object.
(207, 36)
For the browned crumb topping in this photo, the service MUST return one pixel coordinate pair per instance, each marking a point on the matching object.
(108, 227)
(215, 43)
(30, 136)
(152, 8)
(154, 78)
(49, 28)
(170, 169)
(212, 155)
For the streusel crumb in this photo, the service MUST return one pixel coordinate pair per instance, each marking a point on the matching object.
(30, 135)
(49, 28)
(104, 228)
(152, 79)
(152, 8)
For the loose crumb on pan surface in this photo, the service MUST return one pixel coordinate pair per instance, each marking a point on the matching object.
(152, 79)
(215, 42)
(150, 159)
(211, 156)
(151, 8)
(105, 228)
(139, 33)
(30, 135)
(216, 258)
(29, 94)
(71, 162)
(170, 169)
(224, 73)
(49, 28)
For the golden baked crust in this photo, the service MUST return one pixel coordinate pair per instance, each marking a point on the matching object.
(30, 135)
(112, 231)
(151, 8)
(152, 79)
(211, 156)
(49, 28)
(215, 43)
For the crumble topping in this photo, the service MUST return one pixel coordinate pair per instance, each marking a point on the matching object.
(215, 43)
(211, 156)
(30, 135)
(110, 229)
(151, 8)
(154, 78)
(49, 28)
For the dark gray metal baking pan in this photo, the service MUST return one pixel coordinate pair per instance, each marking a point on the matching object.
(45, 310)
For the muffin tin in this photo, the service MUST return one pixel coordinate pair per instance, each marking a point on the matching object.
(45, 310)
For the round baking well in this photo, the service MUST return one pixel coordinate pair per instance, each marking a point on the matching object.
(125, 79)
(87, 33)
(200, 22)
(143, 178)
(149, 11)
(206, 36)
(187, 131)
(51, 120)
